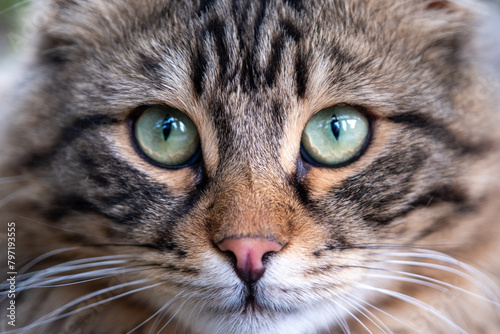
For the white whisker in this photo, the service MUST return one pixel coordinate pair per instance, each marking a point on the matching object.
(92, 275)
(78, 264)
(37, 278)
(173, 316)
(344, 324)
(434, 255)
(157, 321)
(415, 302)
(411, 280)
(200, 310)
(155, 314)
(352, 315)
(75, 283)
(51, 317)
(448, 285)
(40, 258)
(194, 307)
(384, 312)
(341, 321)
(364, 311)
(457, 272)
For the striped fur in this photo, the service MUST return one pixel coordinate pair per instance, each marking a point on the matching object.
(385, 244)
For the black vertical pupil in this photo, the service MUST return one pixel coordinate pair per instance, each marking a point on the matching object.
(335, 127)
(167, 126)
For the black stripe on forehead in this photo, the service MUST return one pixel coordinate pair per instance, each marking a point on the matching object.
(150, 67)
(216, 28)
(295, 4)
(249, 80)
(225, 132)
(301, 71)
(249, 26)
(289, 32)
(199, 68)
(204, 6)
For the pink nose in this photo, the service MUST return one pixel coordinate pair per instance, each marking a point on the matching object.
(249, 253)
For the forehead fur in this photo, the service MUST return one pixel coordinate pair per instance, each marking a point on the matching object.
(87, 24)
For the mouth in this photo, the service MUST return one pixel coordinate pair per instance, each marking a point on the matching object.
(255, 301)
(258, 304)
(250, 305)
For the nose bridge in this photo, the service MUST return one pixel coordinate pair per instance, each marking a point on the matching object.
(246, 206)
(249, 132)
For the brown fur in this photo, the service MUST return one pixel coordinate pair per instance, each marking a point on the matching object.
(250, 74)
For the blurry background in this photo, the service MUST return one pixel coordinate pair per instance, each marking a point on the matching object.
(10, 24)
(12, 38)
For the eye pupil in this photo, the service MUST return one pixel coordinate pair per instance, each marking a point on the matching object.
(335, 127)
(167, 136)
(167, 126)
(335, 136)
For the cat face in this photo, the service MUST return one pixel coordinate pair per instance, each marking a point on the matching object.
(253, 224)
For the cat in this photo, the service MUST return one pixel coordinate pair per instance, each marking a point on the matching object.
(280, 166)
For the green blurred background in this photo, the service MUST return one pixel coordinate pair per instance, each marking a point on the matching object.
(9, 10)
(10, 24)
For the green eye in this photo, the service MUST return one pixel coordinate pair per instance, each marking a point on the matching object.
(335, 136)
(167, 136)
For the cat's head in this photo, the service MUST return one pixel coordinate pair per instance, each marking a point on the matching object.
(264, 160)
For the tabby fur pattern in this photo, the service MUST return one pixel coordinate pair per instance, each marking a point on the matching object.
(402, 240)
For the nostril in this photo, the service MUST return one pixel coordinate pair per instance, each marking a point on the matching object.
(250, 254)
(266, 256)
